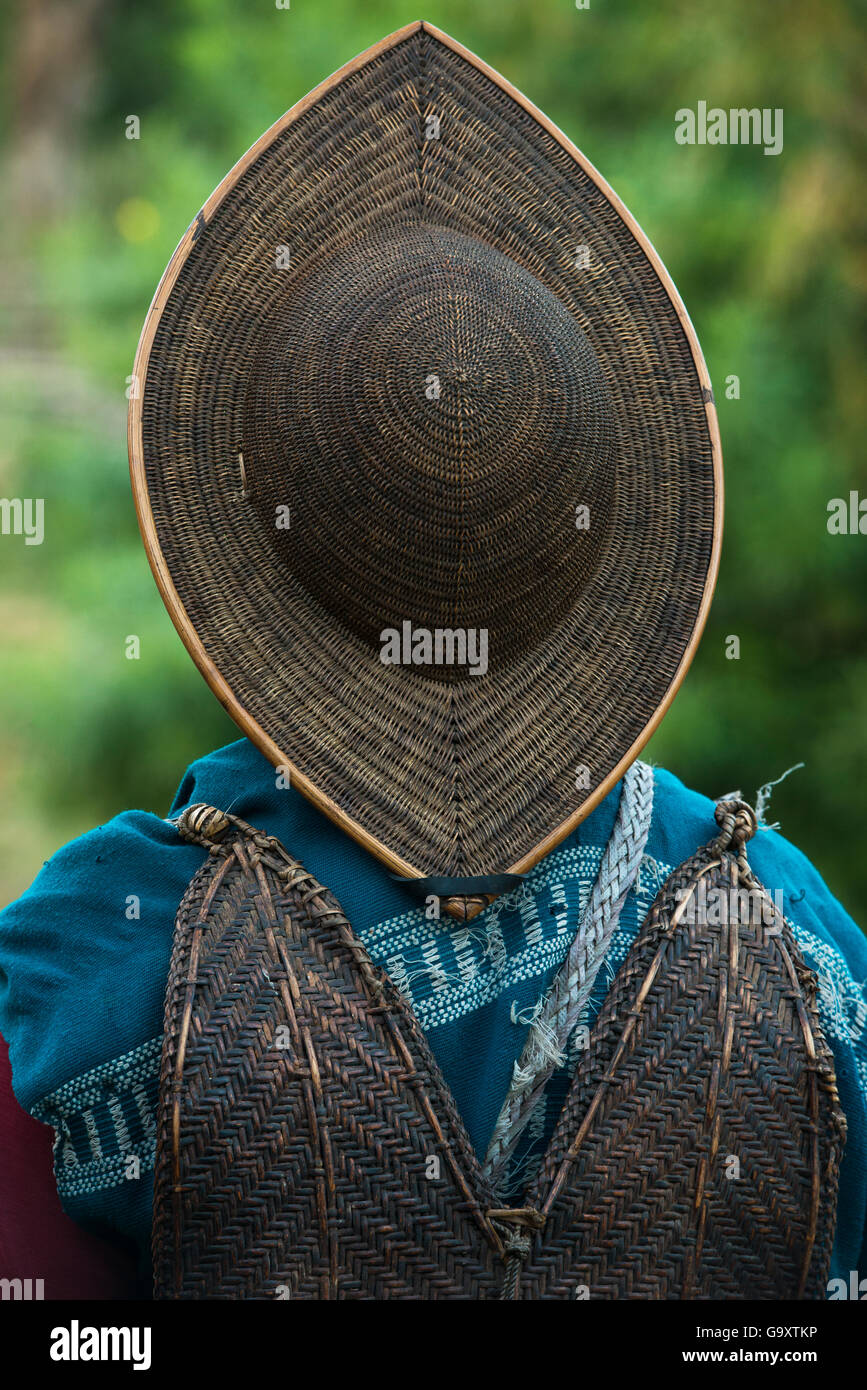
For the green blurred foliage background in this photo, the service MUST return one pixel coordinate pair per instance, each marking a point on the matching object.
(768, 253)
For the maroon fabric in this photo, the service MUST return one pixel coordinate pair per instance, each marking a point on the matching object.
(37, 1239)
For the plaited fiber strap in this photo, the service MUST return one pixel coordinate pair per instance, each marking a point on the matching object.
(300, 1102)
(569, 993)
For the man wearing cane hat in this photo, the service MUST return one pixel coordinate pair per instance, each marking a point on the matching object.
(426, 998)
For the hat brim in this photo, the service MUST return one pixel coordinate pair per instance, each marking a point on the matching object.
(473, 776)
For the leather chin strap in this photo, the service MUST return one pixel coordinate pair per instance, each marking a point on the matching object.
(476, 885)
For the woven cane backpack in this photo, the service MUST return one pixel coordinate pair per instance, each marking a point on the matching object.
(309, 1147)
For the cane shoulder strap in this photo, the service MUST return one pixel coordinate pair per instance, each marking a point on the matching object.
(698, 1151)
(309, 1147)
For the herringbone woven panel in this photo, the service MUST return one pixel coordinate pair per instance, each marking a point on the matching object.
(305, 1147)
(697, 1154)
(309, 1147)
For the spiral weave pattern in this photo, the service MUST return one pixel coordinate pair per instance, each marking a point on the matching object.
(423, 370)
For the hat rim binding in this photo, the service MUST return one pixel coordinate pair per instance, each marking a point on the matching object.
(147, 524)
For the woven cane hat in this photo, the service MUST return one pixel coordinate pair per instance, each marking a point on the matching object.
(426, 462)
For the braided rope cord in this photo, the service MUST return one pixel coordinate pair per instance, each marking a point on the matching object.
(571, 989)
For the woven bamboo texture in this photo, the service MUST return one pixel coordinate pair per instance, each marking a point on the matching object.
(308, 1146)
(697, 1155)
(301, 1107)
(490, 260)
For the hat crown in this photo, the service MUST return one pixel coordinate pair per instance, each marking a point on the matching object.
(432, 416)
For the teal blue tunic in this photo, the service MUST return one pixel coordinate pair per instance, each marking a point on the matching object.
(85, 951)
